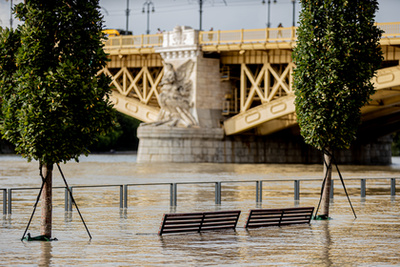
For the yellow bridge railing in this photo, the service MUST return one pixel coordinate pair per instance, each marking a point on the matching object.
(391, 35)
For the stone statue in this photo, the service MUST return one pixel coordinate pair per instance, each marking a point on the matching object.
(175, 96)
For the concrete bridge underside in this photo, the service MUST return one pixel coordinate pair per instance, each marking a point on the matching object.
(260, 102)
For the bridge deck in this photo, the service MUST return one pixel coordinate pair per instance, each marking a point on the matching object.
(234, 40)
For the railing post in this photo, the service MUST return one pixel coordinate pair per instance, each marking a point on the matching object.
(125, 196)
(218, 193)
(331, 192)
(219, 37)
(70, 200)
(296, 189)
(293, 34)
(258, 191)
(392, 186)
(4, 201)
(363, 188)
(121, 196)
(172, 195)
(9, 201)
(66, 199)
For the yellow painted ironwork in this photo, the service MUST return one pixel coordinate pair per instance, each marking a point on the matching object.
(267, 93)
(136, 93)
(272, 116)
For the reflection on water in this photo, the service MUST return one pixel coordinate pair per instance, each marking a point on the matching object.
(129, 236)
(45, 256)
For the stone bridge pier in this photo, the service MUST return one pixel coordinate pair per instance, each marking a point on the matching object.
(188, 127)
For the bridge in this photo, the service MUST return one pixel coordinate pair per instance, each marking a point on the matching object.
(254, 78)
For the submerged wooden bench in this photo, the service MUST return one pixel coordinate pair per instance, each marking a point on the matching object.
(278, 217)
(198, 222)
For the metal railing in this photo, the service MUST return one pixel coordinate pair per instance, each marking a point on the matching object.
(123, 190)
(134, 41)
(216, 38)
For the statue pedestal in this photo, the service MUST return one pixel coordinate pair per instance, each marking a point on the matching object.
(174, 144)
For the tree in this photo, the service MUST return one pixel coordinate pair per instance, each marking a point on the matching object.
(53, 104)
(336, 55)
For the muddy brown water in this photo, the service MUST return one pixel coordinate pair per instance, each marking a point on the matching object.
(128, 237)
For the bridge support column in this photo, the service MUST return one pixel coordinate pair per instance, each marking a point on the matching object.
(188, 128)
(173, 144)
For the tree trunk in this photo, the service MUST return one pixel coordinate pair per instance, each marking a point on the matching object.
(327, 187)
(46, 201)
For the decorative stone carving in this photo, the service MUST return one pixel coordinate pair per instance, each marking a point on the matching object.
(175, 97)
(180, 36)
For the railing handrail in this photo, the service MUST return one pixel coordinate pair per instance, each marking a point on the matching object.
(7, 192)
(202, 182)
(223, 37)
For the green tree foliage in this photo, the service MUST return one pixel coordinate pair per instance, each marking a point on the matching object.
(123, 137)
(53, 104)
(396, 144)
(336, 56)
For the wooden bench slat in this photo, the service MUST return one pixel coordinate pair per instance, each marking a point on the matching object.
(266, 217)
(232, 223)
(184, 217)
(168, 231)
(215, 228)
(263, 225)
(266, 211)
(183, 221)
(191, 225)
(184, 214)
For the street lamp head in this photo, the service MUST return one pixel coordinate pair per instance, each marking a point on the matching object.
(263, 2)
(275, 1)
(153, 10)
(143, 10)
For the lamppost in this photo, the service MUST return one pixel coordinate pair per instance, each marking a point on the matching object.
(269, 11)
(127, 16)
(201, 13)
(11, 15)
(148, 4)
(294, 5)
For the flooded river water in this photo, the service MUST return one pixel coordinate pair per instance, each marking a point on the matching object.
(128, 237)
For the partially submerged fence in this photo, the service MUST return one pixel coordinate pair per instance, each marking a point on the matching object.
(124, 192)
